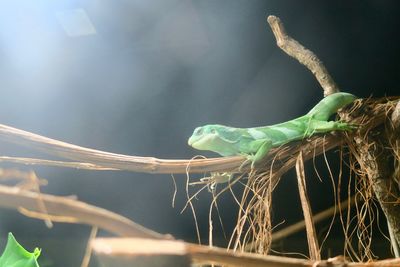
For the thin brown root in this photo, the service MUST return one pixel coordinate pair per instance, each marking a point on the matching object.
(334, 196)
(294, 228)
(46, 216)
(42, 207)
(175, 191)
(88, 250)
(190, 198)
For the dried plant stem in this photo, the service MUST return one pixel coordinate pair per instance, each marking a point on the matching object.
(313, 245)
(88, 250)
(129, 249)
(294, 228)
(303, 55)
(102, 159)
(72, 211)
(297, 227)
(54, 163)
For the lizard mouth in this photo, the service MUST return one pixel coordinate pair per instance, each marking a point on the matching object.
(191, 141)
(201, 143)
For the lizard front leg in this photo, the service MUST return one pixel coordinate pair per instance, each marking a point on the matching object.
(262, 147)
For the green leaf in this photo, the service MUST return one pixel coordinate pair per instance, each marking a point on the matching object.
(15, 255)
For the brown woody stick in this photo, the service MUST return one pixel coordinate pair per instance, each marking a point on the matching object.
(303, 55)
(132, 249)
(101, 160)
(104, 159)
(312, 239)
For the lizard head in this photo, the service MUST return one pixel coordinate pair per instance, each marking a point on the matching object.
(216, 138)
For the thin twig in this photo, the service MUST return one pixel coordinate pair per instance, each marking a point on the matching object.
(303, 55)
(54, 163)
(313, 245)
(294, 228)
(297, 227)
(88, 250)
(36, 188)
(74, 211)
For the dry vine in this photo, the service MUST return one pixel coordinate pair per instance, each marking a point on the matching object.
(254, 224)
(374, 158)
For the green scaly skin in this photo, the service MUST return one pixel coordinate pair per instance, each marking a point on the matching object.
(255, 143)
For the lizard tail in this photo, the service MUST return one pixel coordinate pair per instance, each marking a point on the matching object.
(330, 104)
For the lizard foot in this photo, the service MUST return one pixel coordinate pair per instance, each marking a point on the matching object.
(344, 126)
(252, 159)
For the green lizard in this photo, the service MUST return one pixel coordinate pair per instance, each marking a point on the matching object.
(255, 143)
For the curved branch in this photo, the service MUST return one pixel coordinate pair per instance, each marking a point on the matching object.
(303, 55)
(101, 160)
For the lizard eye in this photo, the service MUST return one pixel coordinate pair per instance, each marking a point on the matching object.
(212, 131)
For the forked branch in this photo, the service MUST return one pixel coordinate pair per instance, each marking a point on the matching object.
(306, 57)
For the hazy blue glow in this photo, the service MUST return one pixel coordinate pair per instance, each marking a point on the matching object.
(26, 36)
(76, 22)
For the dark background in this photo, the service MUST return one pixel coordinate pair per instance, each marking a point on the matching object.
(152, 72)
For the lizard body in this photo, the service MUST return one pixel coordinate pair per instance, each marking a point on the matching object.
(256, 142)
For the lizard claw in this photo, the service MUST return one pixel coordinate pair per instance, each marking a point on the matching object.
(347, 126)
